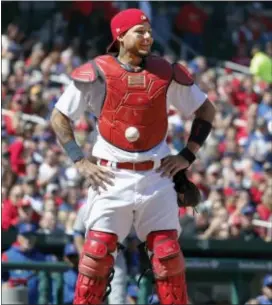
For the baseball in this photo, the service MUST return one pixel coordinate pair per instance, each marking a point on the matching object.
(132, 134)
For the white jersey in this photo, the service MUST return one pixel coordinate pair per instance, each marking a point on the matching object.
(81, 97)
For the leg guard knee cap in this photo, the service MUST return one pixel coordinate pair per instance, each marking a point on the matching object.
(96, 260)
(95, 266)
(158, 236)
(168, 267)
(167, 259)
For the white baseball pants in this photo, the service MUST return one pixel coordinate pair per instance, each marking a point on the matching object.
(140, 198)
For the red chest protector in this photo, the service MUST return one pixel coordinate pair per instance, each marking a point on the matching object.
(134, 113)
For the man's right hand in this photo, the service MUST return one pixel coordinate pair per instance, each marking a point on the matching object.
(96, 176)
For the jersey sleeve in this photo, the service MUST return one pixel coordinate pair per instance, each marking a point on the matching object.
(186, 99)
(72, 102)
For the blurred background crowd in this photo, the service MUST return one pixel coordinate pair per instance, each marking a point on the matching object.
(228, 50)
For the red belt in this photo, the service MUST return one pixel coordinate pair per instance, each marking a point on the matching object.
(139, 166)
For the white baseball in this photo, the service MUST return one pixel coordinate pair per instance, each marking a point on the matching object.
(132, 134)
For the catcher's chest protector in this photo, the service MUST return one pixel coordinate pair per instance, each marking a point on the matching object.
(134, 114)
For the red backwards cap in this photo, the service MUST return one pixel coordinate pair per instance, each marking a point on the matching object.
(122, 22)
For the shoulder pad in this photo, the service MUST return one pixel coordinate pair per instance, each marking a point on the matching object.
(85, 73)
(159, 66)
(181, 75)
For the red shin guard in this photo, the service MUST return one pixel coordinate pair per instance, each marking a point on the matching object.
(94, 267)
(168, 267)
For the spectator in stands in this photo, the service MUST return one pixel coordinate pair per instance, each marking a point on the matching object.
(265, 107)
(268, 171)
(11, 42)
(266, 297)
(70, 276)
(245, 96)
(218, 227)
(10, 207)
(23, 250)
(242, 56)
(198, 65)
(26, 213)
(49, 170)
(259, 144)
(247, 231)
(264, 211)
(49, 225)
(261, 64)
(191, 21)
(31, 192)
(50, 205)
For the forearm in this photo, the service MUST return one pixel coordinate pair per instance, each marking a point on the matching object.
(64, 132)
(62, 127)
(201, 128)
(206, 113)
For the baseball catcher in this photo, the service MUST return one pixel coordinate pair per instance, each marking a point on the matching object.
(130, 91)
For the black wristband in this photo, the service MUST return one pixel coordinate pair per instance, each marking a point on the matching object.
(187, 155)
(200, 131)
(73, 151)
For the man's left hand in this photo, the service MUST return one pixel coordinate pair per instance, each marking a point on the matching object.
(171, 165)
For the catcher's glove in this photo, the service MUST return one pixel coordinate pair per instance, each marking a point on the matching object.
(188, 193)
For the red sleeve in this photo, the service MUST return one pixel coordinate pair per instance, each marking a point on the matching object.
(4, 257)
(17, 163)
(9, 126)
(9, 215)
(263, 212)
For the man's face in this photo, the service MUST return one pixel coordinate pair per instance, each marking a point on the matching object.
(51, 158)
(49, 220)
(246, 221)
(25, 213)
(27, 241)
(138, 40)
(267, 291)
(16, 193)
(268, 98)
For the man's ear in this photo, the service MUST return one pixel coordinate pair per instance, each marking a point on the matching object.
(120, 38)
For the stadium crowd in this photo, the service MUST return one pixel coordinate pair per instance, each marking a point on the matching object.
(40, 186)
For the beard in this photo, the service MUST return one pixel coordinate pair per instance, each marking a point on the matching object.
(144, 55)
(140, 53)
